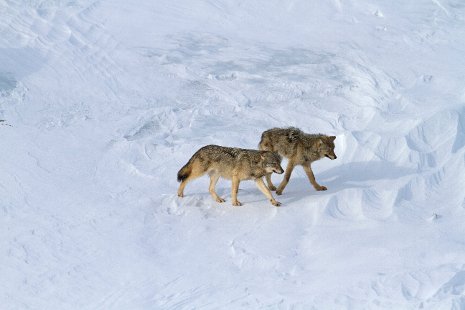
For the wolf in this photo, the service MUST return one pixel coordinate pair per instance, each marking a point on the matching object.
(300, 148)
(231, 163)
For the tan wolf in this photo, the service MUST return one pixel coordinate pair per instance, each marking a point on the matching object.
(300, 148)
(231, 163)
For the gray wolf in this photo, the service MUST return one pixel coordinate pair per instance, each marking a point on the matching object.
(231, 163)
(300, 148)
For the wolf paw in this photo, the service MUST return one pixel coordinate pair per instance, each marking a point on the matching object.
(181, 195)
(220, 200)
(321, 188)
(275, 203)
(279, 191)
(236, 203)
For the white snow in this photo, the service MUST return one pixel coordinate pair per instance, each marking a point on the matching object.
(102, 102)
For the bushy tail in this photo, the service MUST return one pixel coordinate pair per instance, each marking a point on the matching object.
(265, 144)
(260, 144)
(185, 171)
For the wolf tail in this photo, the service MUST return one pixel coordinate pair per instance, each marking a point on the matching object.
(264, 144)
(260, 144)
(185, 171)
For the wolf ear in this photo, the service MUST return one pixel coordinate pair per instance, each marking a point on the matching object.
(279, 157)
(262, 154)
(332, 138)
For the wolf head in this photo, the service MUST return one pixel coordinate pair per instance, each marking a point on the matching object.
(326, 147)
(271, 161)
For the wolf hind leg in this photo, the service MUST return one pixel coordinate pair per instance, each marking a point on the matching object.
(213, 180)
(266, 145)
(196, 172)
(287, 176)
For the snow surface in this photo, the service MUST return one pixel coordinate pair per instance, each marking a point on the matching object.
(101, 102)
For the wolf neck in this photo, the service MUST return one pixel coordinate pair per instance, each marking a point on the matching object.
(310, 147)
(259, 171)
(311, 156)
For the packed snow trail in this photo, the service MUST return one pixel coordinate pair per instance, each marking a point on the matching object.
(102, 102)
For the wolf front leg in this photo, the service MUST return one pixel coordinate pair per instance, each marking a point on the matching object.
(262, 187)
(213, 180)
(311, 177)
(270, 184)
(287, 176)
(234, 190)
